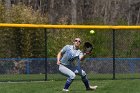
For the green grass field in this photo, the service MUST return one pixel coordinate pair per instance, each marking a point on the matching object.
(58, 77)
(104, 86)
(33, 83)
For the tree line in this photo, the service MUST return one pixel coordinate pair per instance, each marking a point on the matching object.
(85, 11)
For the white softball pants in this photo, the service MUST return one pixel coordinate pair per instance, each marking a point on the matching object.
(71, 72)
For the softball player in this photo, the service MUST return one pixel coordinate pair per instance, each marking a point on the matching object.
(65, 60)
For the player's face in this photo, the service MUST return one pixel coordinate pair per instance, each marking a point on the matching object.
(77, 42)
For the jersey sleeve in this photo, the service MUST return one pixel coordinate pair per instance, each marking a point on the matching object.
(63, 50)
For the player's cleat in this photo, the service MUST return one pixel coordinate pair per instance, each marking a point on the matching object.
(66, 90)
(91, 88)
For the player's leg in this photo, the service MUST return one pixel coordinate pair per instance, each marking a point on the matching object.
(85, 80)
(69, 73)
(83, 77)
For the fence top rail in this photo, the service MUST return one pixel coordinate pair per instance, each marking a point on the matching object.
(69, 26)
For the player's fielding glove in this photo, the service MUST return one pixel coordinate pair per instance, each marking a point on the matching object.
(87, 48)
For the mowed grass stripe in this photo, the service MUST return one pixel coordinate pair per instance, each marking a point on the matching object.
(104, 86)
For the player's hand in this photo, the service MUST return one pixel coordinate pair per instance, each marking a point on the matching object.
(58, 62)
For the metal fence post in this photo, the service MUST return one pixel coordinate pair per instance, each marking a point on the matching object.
(113, 46)
(46, 62)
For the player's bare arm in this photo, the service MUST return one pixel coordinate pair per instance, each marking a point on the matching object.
(59, 55)
(82, 57)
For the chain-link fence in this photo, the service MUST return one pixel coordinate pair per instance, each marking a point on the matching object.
(30, 54)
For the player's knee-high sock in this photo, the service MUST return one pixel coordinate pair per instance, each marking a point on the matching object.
(68, 83)
(85, 81)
